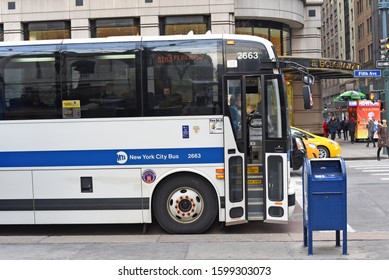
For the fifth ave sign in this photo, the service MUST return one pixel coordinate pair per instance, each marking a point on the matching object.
(367, 73)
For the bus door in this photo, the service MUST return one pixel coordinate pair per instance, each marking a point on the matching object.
(256, 164)
(276, 148)
(234, 152)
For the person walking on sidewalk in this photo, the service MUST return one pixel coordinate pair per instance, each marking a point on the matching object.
(345, 129)
(340, 128)
(383, 140)
(333, 127)
(351, 129)
(370, 132)
(325, 129)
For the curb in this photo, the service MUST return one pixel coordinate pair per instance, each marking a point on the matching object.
(360, 158)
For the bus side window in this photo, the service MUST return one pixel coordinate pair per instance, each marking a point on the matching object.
(105, 83)
(30, 89)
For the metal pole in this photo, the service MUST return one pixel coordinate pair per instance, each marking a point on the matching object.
(383, 6)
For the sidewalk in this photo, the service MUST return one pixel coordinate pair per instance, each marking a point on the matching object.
(356, 151)
(361, 245)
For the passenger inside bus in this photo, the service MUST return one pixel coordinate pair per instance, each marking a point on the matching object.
(30, 98)
(235, 107)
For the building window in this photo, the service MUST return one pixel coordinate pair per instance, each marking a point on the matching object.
(369, 25)
(115, 27)
(278, 33)
(312, 13)
(359, 7)
(79, 2)
(361, 31)
(11, 5)
(180, 25)
(370, 52)
(46, 30)
(362, 56)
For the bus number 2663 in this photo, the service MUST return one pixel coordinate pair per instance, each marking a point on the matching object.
(194, 155)
(248, 55)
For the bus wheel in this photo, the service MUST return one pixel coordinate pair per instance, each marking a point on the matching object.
(185, 204)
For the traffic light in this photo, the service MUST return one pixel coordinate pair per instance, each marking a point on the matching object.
(374, 95)
(384, 48)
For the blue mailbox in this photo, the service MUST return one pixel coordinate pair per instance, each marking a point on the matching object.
(324, 199)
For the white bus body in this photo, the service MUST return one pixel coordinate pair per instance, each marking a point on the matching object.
(185, 169)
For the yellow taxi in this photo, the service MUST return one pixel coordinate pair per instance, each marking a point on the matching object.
(327, 147)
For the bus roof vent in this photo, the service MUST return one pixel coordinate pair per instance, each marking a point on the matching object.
(209, 32)
(191, 33)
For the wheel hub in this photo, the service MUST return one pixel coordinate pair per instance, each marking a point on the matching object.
(185, 205)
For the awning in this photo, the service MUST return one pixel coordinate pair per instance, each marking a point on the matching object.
(323, 68)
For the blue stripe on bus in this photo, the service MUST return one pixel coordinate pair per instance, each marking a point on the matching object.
(111, 157)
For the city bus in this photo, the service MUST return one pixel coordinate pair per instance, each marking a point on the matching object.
(184, 130)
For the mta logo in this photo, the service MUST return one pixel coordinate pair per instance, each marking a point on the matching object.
(121, 157)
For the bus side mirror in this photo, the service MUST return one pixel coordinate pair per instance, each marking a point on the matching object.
(307, 97)
(308, 79)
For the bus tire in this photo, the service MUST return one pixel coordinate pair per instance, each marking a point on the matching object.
(185, 204)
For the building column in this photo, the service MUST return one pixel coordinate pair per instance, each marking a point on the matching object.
(80, 28)
(306, 42)
(13, 31)
(149, 26)
(314, 122)
(223, 23)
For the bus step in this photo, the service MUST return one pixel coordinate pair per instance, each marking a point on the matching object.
(255, 192)
(255, 201)
(257, 188)
(253, 216)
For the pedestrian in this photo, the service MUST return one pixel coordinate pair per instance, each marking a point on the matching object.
(370, 132)
(340, 128)
(383, 140)
(345, 129)
(351, 124)
(325, 128)
(333, 127)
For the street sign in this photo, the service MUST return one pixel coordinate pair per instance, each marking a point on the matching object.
(382, 63)
(367, 73)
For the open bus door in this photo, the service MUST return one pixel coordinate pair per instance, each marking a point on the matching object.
(256, 160)
(276, 146)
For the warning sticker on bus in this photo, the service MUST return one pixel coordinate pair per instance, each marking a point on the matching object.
(71, 109)
(71, 104)
(216, 126)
